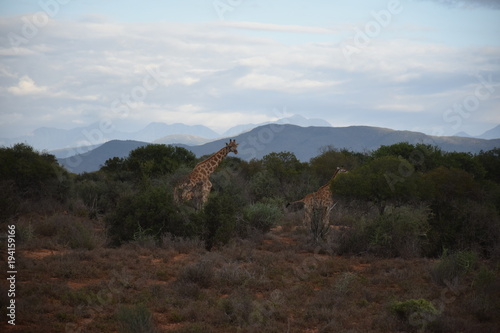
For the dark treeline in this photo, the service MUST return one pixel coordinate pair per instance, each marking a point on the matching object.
(400, 200)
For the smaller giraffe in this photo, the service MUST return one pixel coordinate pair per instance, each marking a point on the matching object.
(197, 186)
(321, 201)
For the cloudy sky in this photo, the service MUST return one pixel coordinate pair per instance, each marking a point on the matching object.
(423, 65)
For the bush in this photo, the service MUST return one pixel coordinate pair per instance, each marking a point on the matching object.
(154, 160)
(262, 216)
(136, 319)
(401, 232)
(150, 212)
(201, 273)
(219, 219)
(382, 181)
(486, 298)
(418, 312)
(453, 266)
(98, 193)
(28, 174)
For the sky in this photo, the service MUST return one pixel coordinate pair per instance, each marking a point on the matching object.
(431, 66)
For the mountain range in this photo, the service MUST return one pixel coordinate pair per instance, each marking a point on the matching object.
(304, 142)
(493, 133)
(59, 141)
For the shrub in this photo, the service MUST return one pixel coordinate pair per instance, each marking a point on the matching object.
(453, 266)
(401, 232)
(262, 216)
(154, 160)
(79, 235)
(319, 227)
(219, 219)
(28, 174)
(136, 319)
(418, 312)
(486, 298)
(381, 181)
(201, 273)
(150, 212)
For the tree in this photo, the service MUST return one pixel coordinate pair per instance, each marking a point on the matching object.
(325, 164)
(33, 173)
(462, 218)
(150, 212)
(384, 180)
(152, 160)
(466, 162)
(284, 170)
(490, 160)
(423, 157)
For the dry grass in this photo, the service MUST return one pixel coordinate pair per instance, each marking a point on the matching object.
(278, 282)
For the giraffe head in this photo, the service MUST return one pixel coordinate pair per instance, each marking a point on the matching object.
(341, 169)
(232, 146)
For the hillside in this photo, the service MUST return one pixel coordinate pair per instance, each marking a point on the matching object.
(304, 142)
(94, 159)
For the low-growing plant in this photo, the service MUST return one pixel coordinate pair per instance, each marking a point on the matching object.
(262, 216)
(136, 319)
(219, 219)
(418, 312)
(485, 300)
(400, 232)
(150, 212)
(201, 273)
(453, 266)
(319, 227)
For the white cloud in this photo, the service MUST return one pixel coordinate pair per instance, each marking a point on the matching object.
(219, 75)
(276, 27)
(27, 86)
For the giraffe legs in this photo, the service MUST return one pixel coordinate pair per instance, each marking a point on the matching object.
(194, 192)
(206, 187)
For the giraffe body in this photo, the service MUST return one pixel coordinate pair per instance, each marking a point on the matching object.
(320, 201)
(197, 186)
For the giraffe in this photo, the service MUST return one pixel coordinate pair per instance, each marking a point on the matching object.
(197, 186)
(321, 200)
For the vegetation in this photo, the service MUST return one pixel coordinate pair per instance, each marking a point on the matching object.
(413, 245)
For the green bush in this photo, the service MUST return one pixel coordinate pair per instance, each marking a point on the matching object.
(400, 232)
(150, 212)
(219, 219)
(418, 312)
(153, 160)
(382, 181)
(136, 319)
(98, 193)
(453, 266)
(26, 174)
(485, 301)
(262, 216)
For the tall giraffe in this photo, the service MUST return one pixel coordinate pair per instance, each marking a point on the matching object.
(321, 200)
(197, 186)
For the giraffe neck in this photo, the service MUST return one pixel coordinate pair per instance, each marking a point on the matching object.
(209, 165)
(326, 187)
(334, 175)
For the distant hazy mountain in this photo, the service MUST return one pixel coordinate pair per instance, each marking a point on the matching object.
(94, 159)
(304, 142)
(47, 138)
(463, 134)
(155, 131)
(293, 120)
(190, 140)
(493, 133)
